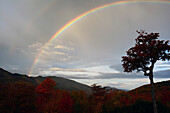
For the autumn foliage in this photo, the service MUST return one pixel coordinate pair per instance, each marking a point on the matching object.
(22, 97)
(143, 56)
(45, 90)
(146, 52)
(17, 97)
(50, 100)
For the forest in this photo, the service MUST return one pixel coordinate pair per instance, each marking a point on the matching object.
(24, 97)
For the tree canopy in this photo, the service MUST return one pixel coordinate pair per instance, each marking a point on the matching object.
(147, 50)
(143, 56)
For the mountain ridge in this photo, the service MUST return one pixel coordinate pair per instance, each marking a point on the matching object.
(62, 83)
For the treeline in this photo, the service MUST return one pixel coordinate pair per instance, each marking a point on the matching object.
(23, 97)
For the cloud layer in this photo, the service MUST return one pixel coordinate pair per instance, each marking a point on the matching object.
(90, 49)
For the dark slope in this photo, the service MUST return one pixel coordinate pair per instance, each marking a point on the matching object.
(158, 86)
(62, 83)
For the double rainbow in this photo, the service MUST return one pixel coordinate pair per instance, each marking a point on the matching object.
(67, 25)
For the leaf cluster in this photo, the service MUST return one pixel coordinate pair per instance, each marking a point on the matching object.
(147, 50)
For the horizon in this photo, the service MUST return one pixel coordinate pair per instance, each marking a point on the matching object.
(90, 50)
(82, 83)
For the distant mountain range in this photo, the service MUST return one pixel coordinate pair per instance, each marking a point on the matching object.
(62, 83)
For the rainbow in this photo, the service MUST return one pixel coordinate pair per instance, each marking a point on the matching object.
(67, 25)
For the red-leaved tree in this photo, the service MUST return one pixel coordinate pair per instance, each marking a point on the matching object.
(45, 91)
(98, 93)
(143, 56)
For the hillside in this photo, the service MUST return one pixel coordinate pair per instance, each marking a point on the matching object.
(159, 86)
(62, 83)
(21, 96)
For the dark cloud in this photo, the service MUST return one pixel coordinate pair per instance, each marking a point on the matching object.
(98, 39)
(13, 58)
(80, 76)
(117, 67)
(163, 64)
(77, 76)
(158, 74)
(120, 75)
(162, 74)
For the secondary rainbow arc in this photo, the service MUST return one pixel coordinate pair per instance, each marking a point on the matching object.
(67, 25)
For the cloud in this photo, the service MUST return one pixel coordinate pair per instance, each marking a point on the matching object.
(119, 75)
(74, 70)
(117, 67)
(158, 74)
(116, 84)
(100, 38)
(54, 53)
(162, 74)
(161, 70)
(127, 85)
(17, 69)
(36, 45)
(16, 58)
(87, 74)
(76, 73)
(63, 47)
(22, 51)
(79, 76)
(163, 64)
(51, 52)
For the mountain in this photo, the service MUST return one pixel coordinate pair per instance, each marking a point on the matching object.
(159, 87)
(62, 83)
(112, 88)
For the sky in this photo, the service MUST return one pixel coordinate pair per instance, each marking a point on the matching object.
(90, 50)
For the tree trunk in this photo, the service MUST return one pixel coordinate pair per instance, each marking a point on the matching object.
(155, 109)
